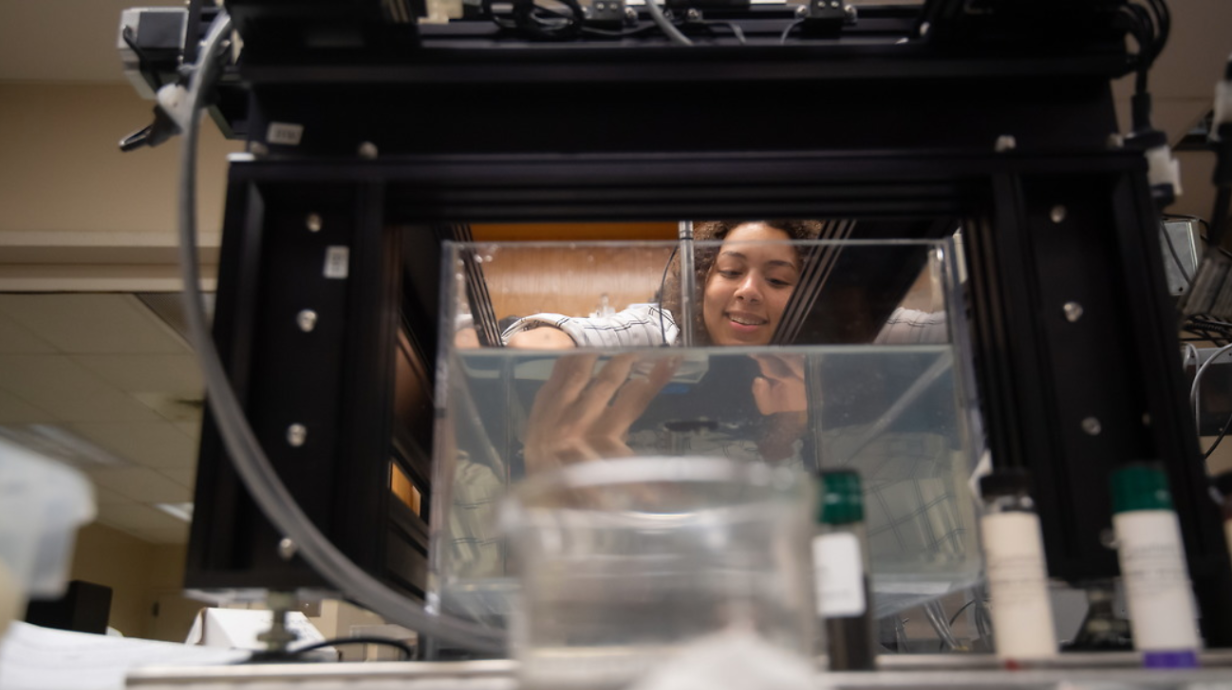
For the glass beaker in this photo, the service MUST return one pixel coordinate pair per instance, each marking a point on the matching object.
(624, 562)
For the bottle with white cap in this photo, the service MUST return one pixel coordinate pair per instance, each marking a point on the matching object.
(1152, 557)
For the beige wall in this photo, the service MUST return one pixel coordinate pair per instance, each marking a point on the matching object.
(77, 214)
(140, 575)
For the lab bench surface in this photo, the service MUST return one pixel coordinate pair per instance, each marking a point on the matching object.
(906, 672)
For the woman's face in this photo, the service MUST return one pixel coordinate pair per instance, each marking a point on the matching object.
(748, 286)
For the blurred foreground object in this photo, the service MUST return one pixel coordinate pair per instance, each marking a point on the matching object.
(624, 563)
(42, 503)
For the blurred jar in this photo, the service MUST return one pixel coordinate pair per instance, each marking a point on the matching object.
(624, 562)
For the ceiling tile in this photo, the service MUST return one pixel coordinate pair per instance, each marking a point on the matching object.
(192, 428)
(137, 516)
(67, 391)
(156, 445)
(141, 484)
(139, 372)
(93, 323)
(164, 535)
(14, 410)
(15, 339)
(186, 477)
(105, 496)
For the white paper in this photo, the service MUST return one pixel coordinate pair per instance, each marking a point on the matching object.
(35, 658)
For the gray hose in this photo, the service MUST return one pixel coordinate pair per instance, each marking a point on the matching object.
(673, 34)
(250, 461)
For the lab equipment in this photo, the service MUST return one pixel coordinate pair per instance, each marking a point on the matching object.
(1017, 573)
(841, 572)
(898, 409)
(1157, 592)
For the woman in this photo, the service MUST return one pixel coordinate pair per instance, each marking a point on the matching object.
(745, 284)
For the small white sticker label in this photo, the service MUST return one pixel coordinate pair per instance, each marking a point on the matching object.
(838, 571)
(337, 262)
(284, 133)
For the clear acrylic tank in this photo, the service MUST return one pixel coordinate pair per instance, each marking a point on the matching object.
(874, 380)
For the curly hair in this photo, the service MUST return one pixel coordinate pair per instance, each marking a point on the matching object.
(717, 230)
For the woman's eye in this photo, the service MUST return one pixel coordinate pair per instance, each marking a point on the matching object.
(729, 273)
(779, 282)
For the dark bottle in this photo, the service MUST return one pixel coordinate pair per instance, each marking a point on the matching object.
(841, 572)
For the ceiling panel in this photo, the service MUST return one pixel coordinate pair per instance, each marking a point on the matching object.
(133, 372)
(16, 340)
(137, 517)
(141, 484)
(86, 323)
(67, 391)
(183, 477)
(163, 535)
(157, 445)
(104, 496)
(14, 410)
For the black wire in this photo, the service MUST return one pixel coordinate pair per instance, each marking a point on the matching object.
(1222, 432)
(127, 35)
(407, 652)
(959, 612)
(736, 30)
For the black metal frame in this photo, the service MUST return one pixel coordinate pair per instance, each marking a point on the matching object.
(1056, 215)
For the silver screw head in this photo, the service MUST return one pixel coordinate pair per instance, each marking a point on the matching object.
(1005, 142)
(306, 320)
(296, 435)
(1091, 426)
(802, 11)
(368, 150)
(630, 15)
(692, 15)
(287, 549)
(1057, 214)
(1073, 311)
(313, 222)
(258, 149)
(924, 27)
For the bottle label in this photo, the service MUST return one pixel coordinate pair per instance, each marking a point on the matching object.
(1157, 590)
(838, 568)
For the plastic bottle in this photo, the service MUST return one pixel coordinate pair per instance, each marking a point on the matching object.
(1157, 588)
(841, 572)
(1017, 572)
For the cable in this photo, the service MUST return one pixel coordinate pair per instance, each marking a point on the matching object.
(660, 20)
(254, 468)
(1193, 390)
(407, 652)
(787, 32)
(1222, 432)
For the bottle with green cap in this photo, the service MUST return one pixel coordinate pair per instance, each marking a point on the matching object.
(1157, 588)
(1017, 573)
(841, 572)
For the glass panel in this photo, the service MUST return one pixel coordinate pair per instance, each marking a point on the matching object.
(806, 354)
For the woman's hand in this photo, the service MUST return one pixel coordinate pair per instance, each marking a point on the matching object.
(780, 388)
(782, 398)
(579, 416)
